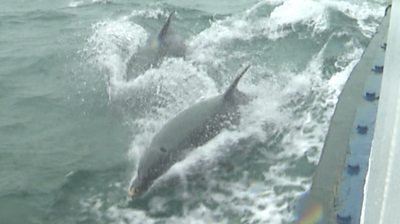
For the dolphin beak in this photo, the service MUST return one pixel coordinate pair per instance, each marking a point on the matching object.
(131, 192)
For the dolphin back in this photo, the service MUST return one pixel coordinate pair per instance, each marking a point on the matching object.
(163, 33)
(170, 43)
(230, 93)
(166, 43)
(191, 128)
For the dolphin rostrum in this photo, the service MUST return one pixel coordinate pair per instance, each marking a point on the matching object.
(189, 129)
(166, 43)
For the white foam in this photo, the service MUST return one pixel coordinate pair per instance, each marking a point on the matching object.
(362, 12)
(337, 81)
(120, 215)
(74, 4)
(153, 13)
(206, 46)
(108, 48)
(101, 1)
(78, 3)
(274, 2)
(295, 11)
(326, 93)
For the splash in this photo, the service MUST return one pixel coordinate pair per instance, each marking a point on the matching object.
(80, 3)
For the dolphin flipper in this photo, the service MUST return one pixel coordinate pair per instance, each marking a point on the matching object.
(229, 93)
(163, 33)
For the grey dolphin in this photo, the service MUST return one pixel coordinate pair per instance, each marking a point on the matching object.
(189, 129)
(166, 43)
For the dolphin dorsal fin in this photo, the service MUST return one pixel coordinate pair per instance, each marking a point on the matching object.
(164, 30)
(232, 88)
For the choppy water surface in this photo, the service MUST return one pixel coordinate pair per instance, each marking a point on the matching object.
(72, 127)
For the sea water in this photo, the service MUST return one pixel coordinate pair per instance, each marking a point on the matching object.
(72, 126)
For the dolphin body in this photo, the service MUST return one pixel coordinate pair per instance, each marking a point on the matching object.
(191, 128)
(166, 43)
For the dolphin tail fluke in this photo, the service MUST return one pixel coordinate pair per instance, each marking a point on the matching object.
(164, 30)
(232, 88)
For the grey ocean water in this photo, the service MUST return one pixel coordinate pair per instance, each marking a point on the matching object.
(72, 127)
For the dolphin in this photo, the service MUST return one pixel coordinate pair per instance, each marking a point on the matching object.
(166, 43)
(191, 128)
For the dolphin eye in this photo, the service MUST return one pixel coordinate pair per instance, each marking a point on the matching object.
(162, 149)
